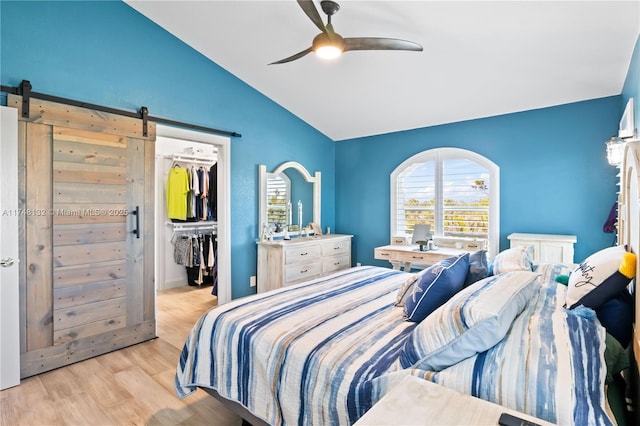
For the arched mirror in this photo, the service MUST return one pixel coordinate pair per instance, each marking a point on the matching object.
(289, 198)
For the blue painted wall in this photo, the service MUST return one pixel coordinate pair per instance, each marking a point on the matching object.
(554, 173)
(107, 53)
(554, 176)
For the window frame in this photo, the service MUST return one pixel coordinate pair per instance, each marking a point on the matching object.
(439, 155)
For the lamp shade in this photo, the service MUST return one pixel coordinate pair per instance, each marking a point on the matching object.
(328, 47)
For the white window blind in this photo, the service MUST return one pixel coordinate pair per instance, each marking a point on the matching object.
(277, 197)
(449, 189)
(465, 199)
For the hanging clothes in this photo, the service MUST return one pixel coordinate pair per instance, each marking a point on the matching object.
(213, 192)
(196, 252)
(177, 189)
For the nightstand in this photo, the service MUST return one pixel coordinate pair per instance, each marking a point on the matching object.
(416, 401)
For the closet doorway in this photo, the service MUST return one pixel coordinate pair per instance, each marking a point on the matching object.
(172, 143)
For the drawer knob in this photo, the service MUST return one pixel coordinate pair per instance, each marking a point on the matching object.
(302, 272)
(304, 254)
(384, 254)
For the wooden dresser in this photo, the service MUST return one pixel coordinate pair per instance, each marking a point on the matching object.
(285, 262)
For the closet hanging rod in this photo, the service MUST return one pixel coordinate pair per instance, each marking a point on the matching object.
(24, 90)
(193, 226)
(191, 159)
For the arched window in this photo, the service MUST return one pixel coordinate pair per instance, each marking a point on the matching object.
(455, 191)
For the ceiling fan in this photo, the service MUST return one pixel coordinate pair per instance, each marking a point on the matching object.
(329, 44)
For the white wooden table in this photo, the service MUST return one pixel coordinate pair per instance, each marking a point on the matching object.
(404, 256)
(416, 401)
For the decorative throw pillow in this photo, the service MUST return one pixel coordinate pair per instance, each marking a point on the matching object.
(601, 277)
(405, 290)
(617, 316)
(471, 322)
(519, 258)
(478, 267)
(436, 285)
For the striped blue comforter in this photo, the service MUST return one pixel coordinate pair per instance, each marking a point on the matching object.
(325, 351)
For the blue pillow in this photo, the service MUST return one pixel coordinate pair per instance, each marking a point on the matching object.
(436, 285)
(471, 322)
(478, 267)
(617, 316)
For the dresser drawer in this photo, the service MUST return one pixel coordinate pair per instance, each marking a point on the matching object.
(334, 263)
(301, 254)
(333, 248)
(300, 272)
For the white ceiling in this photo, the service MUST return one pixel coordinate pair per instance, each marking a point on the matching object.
(480, 58)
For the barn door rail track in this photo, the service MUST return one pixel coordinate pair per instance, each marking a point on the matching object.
(24, 90)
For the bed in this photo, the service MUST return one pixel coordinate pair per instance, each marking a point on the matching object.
(325, 351)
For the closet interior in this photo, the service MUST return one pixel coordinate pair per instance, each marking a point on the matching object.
(186, 206)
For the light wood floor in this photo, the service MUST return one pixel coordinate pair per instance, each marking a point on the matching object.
(132, 386)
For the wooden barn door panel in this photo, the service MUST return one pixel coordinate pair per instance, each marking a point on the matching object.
(88, 278)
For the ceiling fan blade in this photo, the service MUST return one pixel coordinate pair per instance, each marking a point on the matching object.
(376, 43)
(293, 57)
(311, 11)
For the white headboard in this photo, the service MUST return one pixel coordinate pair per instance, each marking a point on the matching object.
(629, 221)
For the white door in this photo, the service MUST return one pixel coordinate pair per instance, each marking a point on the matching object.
(9, 301)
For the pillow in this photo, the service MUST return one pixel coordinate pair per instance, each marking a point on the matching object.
(478, 268)
(471, 322)
(436, 285)
(617, 316)
(517, 258)
(405, 290)
(601, 277)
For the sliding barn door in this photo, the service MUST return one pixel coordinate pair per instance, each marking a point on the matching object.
(87, 215)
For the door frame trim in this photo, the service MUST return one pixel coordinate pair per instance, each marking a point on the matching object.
(9, 291)
(223, 145)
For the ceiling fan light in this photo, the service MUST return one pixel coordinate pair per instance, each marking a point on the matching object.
(328, 52)
(328, 47)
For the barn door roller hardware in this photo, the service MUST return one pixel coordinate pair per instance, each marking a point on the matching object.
(24, 90)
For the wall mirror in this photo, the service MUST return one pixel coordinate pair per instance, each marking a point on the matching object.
(289, 196)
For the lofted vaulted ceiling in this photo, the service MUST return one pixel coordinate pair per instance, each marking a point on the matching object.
(480, 58)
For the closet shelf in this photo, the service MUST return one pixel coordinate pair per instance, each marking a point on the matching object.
(188, 158)
(191, 226)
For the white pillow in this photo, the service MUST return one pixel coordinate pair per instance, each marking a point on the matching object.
(472, 321)
(601, 277)
(519, 258)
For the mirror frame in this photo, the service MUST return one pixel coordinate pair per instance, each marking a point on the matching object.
(264, 176)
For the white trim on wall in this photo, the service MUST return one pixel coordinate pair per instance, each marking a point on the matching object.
(223, 146)
(9, 274)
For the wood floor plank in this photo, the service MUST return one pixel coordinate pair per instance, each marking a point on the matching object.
(132, 386)
(164, 407)
(77, 408)
(99, 383)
